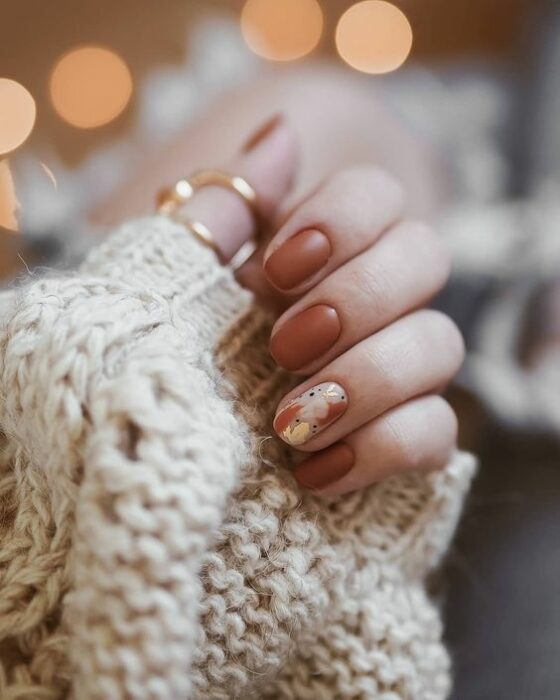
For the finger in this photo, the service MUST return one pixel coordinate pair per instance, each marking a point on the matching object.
(419, 435)
(410, 358)
(401, 272)
(268, 161)
(341, 219)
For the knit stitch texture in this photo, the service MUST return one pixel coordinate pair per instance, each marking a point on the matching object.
(153, 543)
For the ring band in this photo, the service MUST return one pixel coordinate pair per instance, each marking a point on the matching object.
(201, 231)
(171, 199)
(219, 178)
(243, 254)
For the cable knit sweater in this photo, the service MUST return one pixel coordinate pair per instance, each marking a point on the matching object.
(153, 542)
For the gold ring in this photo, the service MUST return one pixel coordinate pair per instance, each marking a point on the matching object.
(219, 178)
(171, 199)
(201, 231)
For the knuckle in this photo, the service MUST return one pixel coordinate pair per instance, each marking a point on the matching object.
(442, 333)
(448, 428)
(426, 443)
(389, 376)
(367, 282)
(424, 239)
(420, 232)
(446, 418)
(368, 179)
(453, 431)
(404, 442)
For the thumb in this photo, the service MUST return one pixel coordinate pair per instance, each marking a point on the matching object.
(268, 161)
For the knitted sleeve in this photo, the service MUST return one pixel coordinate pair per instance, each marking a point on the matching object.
(153, 542)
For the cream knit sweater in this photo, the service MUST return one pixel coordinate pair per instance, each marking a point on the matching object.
(153, 543)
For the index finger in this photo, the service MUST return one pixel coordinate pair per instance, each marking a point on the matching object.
(267, 162)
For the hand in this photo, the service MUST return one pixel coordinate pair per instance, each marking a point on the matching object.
(354, 277)
(359, 276)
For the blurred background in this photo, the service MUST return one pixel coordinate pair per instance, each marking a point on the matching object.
(87, 89)
(80, 78)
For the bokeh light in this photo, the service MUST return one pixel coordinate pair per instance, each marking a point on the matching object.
(17, 114)
(90, 86)
(374, 36)
(8, 201)
(282, 30)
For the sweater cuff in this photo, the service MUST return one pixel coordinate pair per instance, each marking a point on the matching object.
(159, 256)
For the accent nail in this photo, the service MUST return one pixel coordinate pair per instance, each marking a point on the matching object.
(310, 413)
(298, 259)
(261, 133)
(305, 337)
(325, 467)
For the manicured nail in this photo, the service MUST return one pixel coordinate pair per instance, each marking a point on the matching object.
(310, 413)
(298, 259)
(325, 467)
(262, 132)
(305, 337)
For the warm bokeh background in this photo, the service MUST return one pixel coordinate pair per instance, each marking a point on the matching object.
(34, 35)
(149, 35)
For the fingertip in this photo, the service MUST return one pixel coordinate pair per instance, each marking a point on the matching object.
(269, 158)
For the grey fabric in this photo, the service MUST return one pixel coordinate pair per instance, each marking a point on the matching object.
(503, 576)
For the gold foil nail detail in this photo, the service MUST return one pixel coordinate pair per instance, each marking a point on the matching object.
(310, 413)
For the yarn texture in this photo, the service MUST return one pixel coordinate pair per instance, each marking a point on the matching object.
(153, 543)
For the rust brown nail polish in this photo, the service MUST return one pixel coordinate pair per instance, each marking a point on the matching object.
(261, 133)
(298, 259)
(305, 337)
(326, 467)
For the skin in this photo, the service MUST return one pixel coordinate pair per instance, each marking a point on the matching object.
(392, 357)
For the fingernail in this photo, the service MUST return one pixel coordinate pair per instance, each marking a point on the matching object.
(298, 259)
(305, 337)
(326, 467)
(261, 133)
(310, 413)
